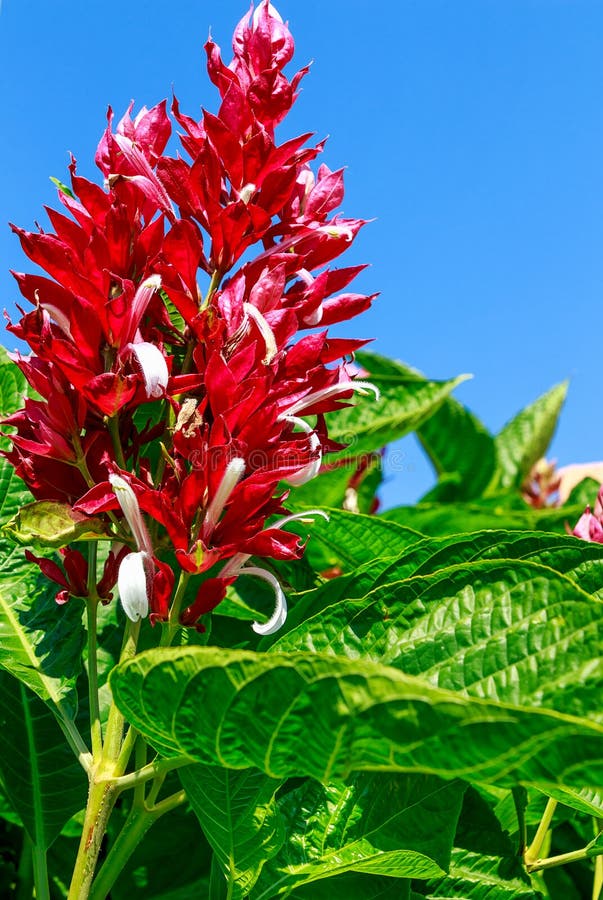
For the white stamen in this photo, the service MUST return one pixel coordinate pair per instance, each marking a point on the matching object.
(315, 317)
(305, 517)
(232, 476)
(247, 192)
(306, 276)
(128, 501)
(279, 615)
(142, 298)
(236, 562)
(265, 330)
(132, 585)
(362, 387)
(153, 366)
(311, 470)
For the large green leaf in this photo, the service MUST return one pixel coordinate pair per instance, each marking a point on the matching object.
(41, 778)
(308, 714)
(349, 539)
(476, 876)
(407, 400)
(580, 561)
(501, 512)
(352, 886)
(395, 825)
(238, 814)
(524, 440)
(485, 862)
(515, 631)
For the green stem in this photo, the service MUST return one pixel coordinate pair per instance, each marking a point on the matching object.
(172, 626)
(138, 822)
(96, 735)
(101, 798)
(156, 769)
(102, 792)
(519, 799)
(73, 737)
(25, 882)
(552, 861)
(598, 876)
(40, 873)
(533, 851)
(113, 424)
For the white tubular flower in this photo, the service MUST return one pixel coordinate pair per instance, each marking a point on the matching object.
(153, 366)
(312, 469)
(132, 585)
(232, 476)
(265, 330)
(305, 516)
(128, 501)
(362, 387)
(279, 615)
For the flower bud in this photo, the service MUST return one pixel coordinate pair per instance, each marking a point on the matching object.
(153, 366)
(132, 584)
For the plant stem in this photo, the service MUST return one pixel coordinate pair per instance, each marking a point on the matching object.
(25, 884)
(113, 424)
(101, 798)
(574, 856)
(533, 851)
(153, 770)
(40, 873)
(102, 792)
(598, 876)
(96, 736)
(519, 798)
(139, 820)
(172, 625)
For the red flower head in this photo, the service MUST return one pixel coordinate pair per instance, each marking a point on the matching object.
(174, 408)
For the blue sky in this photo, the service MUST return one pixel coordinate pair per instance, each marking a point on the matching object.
(472, 133)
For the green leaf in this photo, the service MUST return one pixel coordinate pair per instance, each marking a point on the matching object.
(239, 818)
(476, 876)
(348, 539)
(326, 717)
(43, 782)
(62, 187)
(395, 825)
(52, 524)
(453, 518)
(406, 402)
(351, 483)
(524, 440)
(353, 886)
(514, 631)
(580, 561)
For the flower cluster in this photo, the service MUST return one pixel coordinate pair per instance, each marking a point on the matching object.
(172, 411)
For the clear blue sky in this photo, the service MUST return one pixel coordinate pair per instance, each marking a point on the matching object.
(472, 132)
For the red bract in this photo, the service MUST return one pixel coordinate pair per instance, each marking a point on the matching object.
(132, 348)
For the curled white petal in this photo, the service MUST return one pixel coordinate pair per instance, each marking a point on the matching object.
(278, 617)
(247, 192)
(304, 516)
(265, 330)
(153, 367)
(132, 585)
(311, 470)
(362, 387)
(128, 501)
(232, 476)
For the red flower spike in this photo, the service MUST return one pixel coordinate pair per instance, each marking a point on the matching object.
(125, 315)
